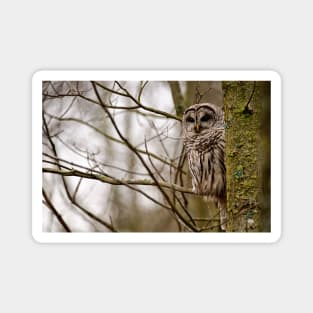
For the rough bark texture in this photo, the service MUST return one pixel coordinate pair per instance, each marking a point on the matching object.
(247, 109)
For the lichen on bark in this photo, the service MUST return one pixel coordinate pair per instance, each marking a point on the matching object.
(247, 147)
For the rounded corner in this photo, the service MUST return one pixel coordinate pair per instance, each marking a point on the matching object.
(36, 237)
(37, 76)
(275, 75)
(276, 237)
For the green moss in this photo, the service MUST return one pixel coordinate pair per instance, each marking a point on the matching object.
(241, 154)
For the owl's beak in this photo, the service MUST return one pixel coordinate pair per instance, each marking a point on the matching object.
(197, 128)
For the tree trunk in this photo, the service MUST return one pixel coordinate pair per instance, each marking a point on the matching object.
(247, 122)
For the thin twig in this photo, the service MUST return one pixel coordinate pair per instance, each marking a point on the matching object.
(152, 164)
(91, 215)
(139, 104)
(55, 212)
(141, 88)
(116, 181)
(247, 109)
(108, 136)
(132, 148)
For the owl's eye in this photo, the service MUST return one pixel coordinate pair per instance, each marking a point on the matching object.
(190, 119)
(205, 118)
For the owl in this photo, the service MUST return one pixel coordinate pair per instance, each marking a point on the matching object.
(204, 141)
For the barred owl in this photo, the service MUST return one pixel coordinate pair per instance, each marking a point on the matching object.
(204, 140)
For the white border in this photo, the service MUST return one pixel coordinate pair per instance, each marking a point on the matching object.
(45, 237)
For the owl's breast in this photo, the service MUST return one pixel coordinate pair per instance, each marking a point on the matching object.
(208, 171)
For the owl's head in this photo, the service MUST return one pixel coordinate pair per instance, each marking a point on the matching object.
(202, 116)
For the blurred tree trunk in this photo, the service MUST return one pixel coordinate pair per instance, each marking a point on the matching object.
(265, 158)
(247, 118)
(196, 92)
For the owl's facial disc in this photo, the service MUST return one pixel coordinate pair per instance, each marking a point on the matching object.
(205, 118)
(190, 121)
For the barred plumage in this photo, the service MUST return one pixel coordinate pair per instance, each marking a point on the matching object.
(204, 140)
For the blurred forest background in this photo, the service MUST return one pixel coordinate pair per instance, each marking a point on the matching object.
(113, 156)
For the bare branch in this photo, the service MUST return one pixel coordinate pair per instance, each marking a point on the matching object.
(152, 164)
(139, 104)
(110, 137)
(76, 189)
(247, 109)
(78, 151)
(91, 215)
(55, 212)
(116, 181)
(174, 195)
(132, 148)
(142, 87)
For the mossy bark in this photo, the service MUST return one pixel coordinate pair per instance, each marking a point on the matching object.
(247, 107)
